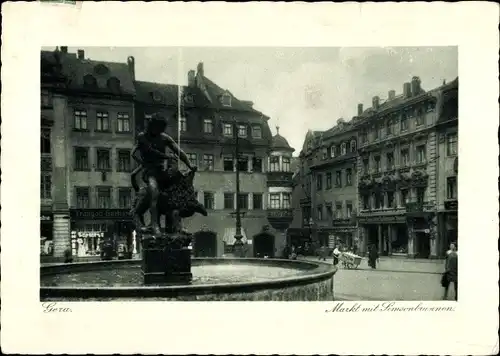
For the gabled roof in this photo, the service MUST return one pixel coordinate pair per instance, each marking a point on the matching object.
(168, 94)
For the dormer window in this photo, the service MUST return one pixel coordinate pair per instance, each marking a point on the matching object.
(226, 100)
(113, 84)
(101, 69)
(256, 131)
(89, 81)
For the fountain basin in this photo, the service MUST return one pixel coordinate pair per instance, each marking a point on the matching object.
(224, 279)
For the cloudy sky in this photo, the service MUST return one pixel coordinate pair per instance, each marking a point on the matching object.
(299, 88)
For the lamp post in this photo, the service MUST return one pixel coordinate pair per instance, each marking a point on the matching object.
(238, 244)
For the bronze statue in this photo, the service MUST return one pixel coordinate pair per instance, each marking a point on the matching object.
(167, 191)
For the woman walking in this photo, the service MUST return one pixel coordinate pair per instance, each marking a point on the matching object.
(373, 257)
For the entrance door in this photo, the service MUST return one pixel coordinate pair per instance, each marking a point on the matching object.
(205, 244)
(423, 245)
(263, 245)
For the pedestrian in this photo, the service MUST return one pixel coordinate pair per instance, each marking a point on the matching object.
(355, 248)
(373, 257)
(450, 274)
(336, 254)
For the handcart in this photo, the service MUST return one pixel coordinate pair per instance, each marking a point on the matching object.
(350, 260)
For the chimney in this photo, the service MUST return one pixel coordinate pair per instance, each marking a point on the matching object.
(406, 90)
(191, 79)
(392, 94)
(415, 86)
(375, 102)
(200, 69)
(131, 66)
(64, 49)
(360, 109)
(81, 54)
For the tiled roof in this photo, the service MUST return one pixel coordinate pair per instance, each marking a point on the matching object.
(76, 69)
(167, 94)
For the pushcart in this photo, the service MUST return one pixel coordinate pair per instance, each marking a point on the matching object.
(350, 260)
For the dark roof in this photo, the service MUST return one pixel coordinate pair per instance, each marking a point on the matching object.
(76, 69)
(167, 94)
(279, 142)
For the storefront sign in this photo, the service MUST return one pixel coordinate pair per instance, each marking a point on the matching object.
(451, 205)
(100, 214)
(46, 217)
(90, 234)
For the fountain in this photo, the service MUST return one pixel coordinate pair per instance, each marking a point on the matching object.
(166, 270)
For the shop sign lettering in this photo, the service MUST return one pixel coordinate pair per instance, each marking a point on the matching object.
(100, 214)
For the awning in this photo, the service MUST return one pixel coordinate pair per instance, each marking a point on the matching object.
(229, 233)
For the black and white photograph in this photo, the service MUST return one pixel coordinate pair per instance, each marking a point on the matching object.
(273, 174)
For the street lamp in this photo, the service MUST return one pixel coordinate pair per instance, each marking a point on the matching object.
(238, 244)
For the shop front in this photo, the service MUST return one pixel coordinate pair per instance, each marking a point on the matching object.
(91, 227)
(388, 233)
(46, 233)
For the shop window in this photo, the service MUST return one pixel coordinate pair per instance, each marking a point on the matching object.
(228, 200)
(274, 201)
(208, 200)
(257, 201)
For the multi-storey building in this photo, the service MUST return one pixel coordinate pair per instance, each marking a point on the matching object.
(398, 172)
(447, 182)
(91, 139)
(334, 187)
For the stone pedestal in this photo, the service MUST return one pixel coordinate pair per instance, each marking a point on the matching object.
(166, 259)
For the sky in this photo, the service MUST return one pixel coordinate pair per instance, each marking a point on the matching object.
(300, 89)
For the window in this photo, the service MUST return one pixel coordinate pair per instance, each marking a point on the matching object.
(420, 195)
(451, 188)
(81, 159)
(348, 176)
(208, 162)
(353, 146)
(123, 122)
(274, 200)
(124, 198)
(257, 201)
(319, 212)
(208, 200)
(376, 159)
(242, 131)
(243, 163)
(404, 196)
(183, 124)
(343, 148)
(364, 136)
(193, 159)
(390, 199)
(228, 164)
(348, 206)
(285, 161)
(228, 129)
(338, 210)
(366, 166)
(420, 117)
(45, 186)
(319, 181)
(405, 157)
(256, 131)
(332, 151)
(46, 100)
(337, 150)
(388, 128)
(274, 164)
(104, 197)
(378, 200)
(389, 161)
(366, 202)
(376, 132)
(420, 154)
(452, 144)
(328, 181)
(102, 121)
(325, 153)
(286, 201)
(257, 164)
(208, 126)
(103, 160)
(404, 122)
(45, 141)
(228, 200)
(226, 100)
(338, 179)
(80, 120)
(430, 106)
(124, 161)
(82, 198)
(329, 212)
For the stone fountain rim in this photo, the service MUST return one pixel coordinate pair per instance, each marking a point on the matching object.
(326, 271)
